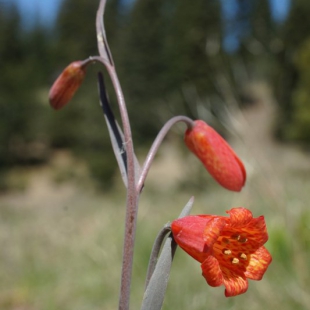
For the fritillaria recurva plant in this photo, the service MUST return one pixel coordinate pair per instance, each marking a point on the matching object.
(230, 249)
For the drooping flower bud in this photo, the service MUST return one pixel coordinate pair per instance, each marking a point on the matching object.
(216, 155)
(67, 84)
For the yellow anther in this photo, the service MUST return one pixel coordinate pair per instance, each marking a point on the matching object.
(227, 251)
(235, 260)
(243, 256)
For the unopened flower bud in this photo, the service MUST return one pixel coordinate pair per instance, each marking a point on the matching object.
(216, 155)
(67, 84)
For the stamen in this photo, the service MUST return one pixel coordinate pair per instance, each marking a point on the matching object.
(236, 237)
(243, 256)
(226, 251)
(235, 260)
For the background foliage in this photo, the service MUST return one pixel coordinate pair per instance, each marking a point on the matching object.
(170, 59)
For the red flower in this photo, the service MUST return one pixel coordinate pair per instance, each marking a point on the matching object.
(67, 84)
(230, 250)
(216, 155)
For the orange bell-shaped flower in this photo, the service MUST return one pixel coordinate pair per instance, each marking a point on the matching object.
(216, 155)
(230, 250)
(67, 84)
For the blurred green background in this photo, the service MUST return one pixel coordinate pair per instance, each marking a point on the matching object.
(243, 68)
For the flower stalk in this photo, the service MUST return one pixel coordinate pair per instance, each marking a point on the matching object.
(132, 196)
(157, 142)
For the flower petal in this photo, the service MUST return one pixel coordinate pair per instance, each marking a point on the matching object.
(188, 234)
(212, 272)
(257, 230)
(235, 283)
(242, 168)
(212, 231)
(258, 264)
(240, 217)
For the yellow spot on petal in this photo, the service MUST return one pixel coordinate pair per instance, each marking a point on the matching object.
(227, 251)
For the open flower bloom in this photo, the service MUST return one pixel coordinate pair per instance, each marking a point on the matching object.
(216, 155)
(67, 84)
(230, 249)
